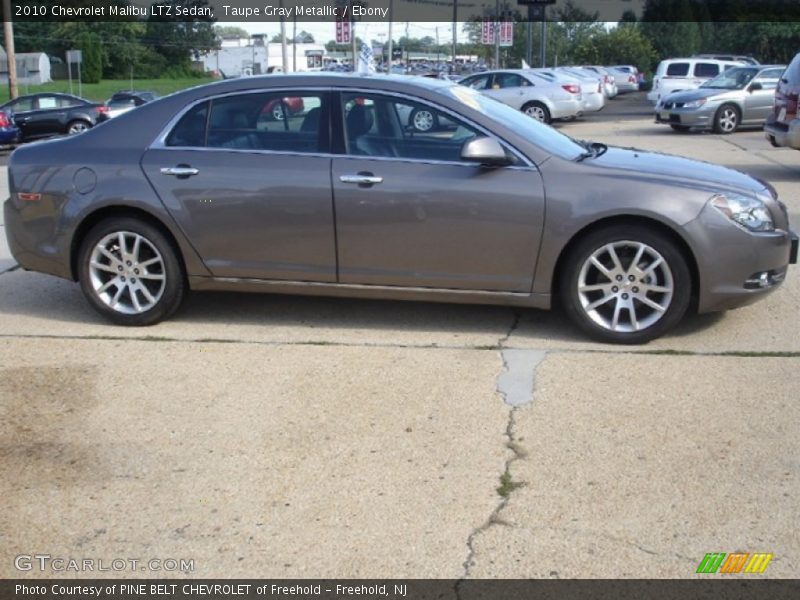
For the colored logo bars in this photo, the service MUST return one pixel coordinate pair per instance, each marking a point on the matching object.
(737, 562)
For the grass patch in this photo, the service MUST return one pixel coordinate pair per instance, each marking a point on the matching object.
(507, 485)
(100, 92)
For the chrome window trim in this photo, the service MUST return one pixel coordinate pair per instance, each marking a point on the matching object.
(160, 141)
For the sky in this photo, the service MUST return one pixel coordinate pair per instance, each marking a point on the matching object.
(324, 32)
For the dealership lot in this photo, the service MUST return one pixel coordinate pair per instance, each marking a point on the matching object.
(312, 437)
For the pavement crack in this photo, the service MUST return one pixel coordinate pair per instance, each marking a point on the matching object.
(514, 324)
(516, 384)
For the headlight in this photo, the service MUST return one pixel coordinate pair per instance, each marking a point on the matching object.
(695, 103)
(750, 213)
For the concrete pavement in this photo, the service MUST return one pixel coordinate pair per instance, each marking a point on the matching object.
(302, 437)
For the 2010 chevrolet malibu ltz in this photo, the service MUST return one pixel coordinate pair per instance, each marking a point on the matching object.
(204, 190)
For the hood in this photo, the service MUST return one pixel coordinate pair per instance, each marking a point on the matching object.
(697, 94)
(678, 170)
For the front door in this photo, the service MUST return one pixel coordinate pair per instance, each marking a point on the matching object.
(410, 212)
(250, 185)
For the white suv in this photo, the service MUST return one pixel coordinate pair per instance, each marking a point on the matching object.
(686, 74)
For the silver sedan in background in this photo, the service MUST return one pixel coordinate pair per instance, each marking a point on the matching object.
(537, 97)
(738, 97)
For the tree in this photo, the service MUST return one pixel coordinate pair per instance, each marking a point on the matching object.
(230, 31)
(624, 45)
(92, 57)
(304, 38)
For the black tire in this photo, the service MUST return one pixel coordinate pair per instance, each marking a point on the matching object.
(727, 119)
(538, 111)
(679, 128)
(423, 120)
(674, 307)
(167, 295)
(77, 126)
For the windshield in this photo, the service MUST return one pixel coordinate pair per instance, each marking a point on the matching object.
(537, 133)
(732, 79)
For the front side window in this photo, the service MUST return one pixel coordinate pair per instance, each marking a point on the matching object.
(678, 70)
(386, 126)
(477, 83)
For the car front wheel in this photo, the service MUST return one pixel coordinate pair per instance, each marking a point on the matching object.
(727, 119)
(130, 273)
(626, 284)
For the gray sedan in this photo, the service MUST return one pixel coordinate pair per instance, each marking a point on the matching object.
(738, 97)
(197, 191)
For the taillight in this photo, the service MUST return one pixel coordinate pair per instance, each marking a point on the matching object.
(572, 88)
(4, 122)
(101, 110)
(631, 79)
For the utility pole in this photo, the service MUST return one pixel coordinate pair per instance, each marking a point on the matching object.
(496, 26)
(544, 36)
(455, 35)
(8, 31)
(355, 45)
(408, 56)
(391, 18)
(294, 44)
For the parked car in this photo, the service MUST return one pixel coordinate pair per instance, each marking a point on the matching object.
(591, 89)
(537, 98)
(782, 127)
(9, 132)
(609, 84)
(125, 100)
(48, 114)
(500, 209)
(626, 78)
(677, 74)
(588, 79)
(738, 97)
(278, 108)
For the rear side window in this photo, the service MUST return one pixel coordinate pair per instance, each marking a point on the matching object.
(191, 129)
(706, 70)
(677, 70)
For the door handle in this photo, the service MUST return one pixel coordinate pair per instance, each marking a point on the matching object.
(361, 179)
(179, 171)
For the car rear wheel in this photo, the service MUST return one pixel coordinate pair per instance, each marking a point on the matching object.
(538, 111)
(727, 119)
(626, 284)
(78, 127)
(130, 273)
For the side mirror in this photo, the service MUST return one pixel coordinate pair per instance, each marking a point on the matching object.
(486, 151)
(755, 86)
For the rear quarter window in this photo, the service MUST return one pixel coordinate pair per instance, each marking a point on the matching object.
(677, 70)
(706, 70)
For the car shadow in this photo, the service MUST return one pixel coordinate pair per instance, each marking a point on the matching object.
(54, 300)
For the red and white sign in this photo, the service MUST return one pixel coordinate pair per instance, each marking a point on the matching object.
(487, 32)
(506, 33)
(342, 31)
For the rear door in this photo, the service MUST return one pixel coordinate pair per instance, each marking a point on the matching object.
(251, 192)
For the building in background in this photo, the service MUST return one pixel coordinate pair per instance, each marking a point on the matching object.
(243, 57)
(33, 68)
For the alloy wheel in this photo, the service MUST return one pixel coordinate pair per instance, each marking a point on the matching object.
(728, 120)
(423, 120)
(127, 272)
(537, 112)
(625, 286)
(77, 127)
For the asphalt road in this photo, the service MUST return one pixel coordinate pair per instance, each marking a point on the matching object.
(283, 436)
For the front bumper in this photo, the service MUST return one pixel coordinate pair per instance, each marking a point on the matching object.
(736, 267)
(699, 118)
